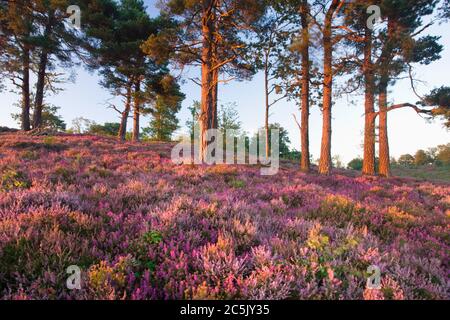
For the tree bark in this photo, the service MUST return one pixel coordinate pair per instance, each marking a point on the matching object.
(215, 93)
(124, 117)
(325, 152)
(384, 166)
(369, 106)
(207, 119)
(42, 71)
(137, 112)
(304, 130)
(385, 61)
(267, 106)
(25, 115)
(40, 87)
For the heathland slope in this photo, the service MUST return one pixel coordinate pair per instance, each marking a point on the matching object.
(140, 227)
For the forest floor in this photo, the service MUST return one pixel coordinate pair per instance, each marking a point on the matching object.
(140, 227)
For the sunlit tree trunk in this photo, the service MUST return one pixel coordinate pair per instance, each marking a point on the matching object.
(325, 152)
(124, 116)
(41, 74)
(215, 93)
(384, 167)
(369, 106)
(206, 118)
(137, 112)
(25, 115)
(40, 86)
(385, 60)
(304, 130)
(267, 104)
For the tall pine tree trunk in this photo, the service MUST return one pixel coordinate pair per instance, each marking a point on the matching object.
(384, 167)
(385, 64)
(215, 93)
(42, 72)
(325, 152)
(369, 106)
(25, 115)
(206, 119)
(215, 75)
(304, 130)
(267, 105)
(124, 117)
(136, 111)
(40, 87)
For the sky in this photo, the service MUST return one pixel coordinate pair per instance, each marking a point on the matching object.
(408, 132)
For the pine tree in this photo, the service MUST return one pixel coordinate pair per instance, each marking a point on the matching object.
(164, 120)
(399, 48)
(439, 98)
(126, 71)
(18, 31)
(360, 44)
(206, 33)
(273, 33)
(56, 43)
(328, 42)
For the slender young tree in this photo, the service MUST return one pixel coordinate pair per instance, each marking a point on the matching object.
(272, 33)
(305, 86)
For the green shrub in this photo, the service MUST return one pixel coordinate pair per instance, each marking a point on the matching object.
(30, 155)
(355, 164)
(12, 179)
(152, 237)
(49, 141)
(238, 184)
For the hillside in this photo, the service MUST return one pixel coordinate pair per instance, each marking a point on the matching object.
(430, 173)
(140, 227)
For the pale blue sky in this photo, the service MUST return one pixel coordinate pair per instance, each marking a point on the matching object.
(407, 131)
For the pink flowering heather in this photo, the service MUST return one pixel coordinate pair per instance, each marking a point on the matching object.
(140, 227)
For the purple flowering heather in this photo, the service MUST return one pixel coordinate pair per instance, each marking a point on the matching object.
(140, 227)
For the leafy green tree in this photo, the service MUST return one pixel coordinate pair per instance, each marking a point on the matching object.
(443, 155)
(107, 129)
(192, 123)
(421, 158)
(355, 164)
(164, 120)
(49, 117)
(284, 140)
(406, 160)
(228, 118)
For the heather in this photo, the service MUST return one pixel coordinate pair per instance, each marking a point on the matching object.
(141, 227)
